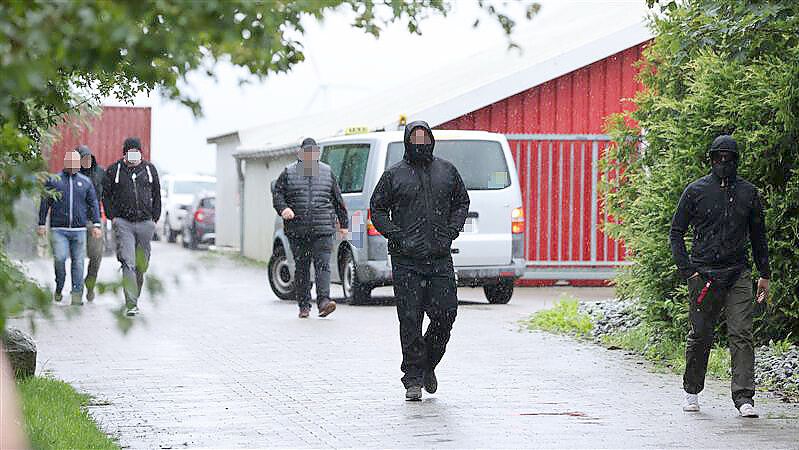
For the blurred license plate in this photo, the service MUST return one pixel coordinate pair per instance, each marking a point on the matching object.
(470, 226)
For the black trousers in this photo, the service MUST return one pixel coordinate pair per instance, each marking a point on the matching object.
(738, 307)
(424, 287)
(305, 249)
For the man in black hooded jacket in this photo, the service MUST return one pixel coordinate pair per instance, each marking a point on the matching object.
(420, 205)
(725, 212)
(94, 245)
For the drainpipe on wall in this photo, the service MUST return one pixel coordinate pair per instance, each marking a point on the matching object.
(240, 172)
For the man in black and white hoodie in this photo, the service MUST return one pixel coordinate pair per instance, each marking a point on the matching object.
(132, 201)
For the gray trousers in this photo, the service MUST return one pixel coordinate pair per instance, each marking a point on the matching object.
(94, 250)
(133, 252)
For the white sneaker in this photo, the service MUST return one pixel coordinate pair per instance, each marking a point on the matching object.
(132, 311)
(748, 410)
(691, 403)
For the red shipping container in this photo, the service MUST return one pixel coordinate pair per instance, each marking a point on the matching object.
(104, 135)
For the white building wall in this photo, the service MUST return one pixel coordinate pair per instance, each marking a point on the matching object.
(227, 193)
(259, 214)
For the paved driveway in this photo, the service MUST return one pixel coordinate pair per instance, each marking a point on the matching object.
(220, 362)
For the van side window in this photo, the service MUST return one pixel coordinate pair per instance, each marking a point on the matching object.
(348, 163)
(481, 163)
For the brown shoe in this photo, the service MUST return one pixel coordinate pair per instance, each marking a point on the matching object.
(326, 308)
(304, 313)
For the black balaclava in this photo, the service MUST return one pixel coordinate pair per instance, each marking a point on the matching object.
(418, 153)
(726, 170)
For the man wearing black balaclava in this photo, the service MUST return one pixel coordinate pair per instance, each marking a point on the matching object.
(725, 211)
(420, 205)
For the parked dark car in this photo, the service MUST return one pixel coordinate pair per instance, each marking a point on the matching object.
(198, 222)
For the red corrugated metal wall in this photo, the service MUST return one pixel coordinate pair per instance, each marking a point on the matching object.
(575, 103)
(105, 135)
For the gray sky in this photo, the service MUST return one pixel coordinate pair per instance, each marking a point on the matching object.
(342, 65)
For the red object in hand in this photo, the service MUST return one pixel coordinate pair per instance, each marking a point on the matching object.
(703, 293)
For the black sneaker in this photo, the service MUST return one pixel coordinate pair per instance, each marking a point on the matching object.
(57, 296)
(304, 312)
(430, 382)
(90, 295)
(413, 394)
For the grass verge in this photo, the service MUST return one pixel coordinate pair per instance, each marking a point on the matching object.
(666, 353)
(56, 417)
(565, 318)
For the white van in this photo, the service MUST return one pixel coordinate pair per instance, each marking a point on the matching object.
(489, 251)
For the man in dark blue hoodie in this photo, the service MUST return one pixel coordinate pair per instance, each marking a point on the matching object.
(72, 210)
(420, 205)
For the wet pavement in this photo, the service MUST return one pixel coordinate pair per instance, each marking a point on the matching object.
(219, 361)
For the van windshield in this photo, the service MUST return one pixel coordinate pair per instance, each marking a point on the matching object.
(481, 163)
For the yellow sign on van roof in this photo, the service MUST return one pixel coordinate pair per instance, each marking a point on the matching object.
(356, 130)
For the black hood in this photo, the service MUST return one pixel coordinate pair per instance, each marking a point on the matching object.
(727, 170)
(84, 150)
(418, 153)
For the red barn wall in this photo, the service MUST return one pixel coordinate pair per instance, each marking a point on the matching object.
(574, 103)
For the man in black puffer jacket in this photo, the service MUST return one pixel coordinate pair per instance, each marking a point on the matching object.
(420, 205)
(307, 196)
(725, 212)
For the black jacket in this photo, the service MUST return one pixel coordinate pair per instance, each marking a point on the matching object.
(420, 203)
(132, 193)
(315, 200)
(723, 218)
(76, 206)
(96, 173)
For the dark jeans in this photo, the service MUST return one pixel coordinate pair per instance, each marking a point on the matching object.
(305, 249)
(424, 287)
(68, 243)
(738, 308)
(94, 250)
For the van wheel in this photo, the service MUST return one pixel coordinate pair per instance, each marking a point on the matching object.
(280, 277)
(499, 293)
(355, 291)
(184, 239)
(171, 236)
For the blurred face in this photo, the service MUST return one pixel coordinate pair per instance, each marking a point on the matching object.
(86, 161)
(133, 156)
(71, 161)
(310, 153)
(419, 136)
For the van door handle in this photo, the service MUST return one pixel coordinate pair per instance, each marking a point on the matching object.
(472, 214)
(455, 251)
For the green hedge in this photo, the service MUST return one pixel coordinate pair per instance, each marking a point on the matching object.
(715, 67)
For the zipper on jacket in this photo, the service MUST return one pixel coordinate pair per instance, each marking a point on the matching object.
(135, 193)
(310, 199)
(71, 200)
